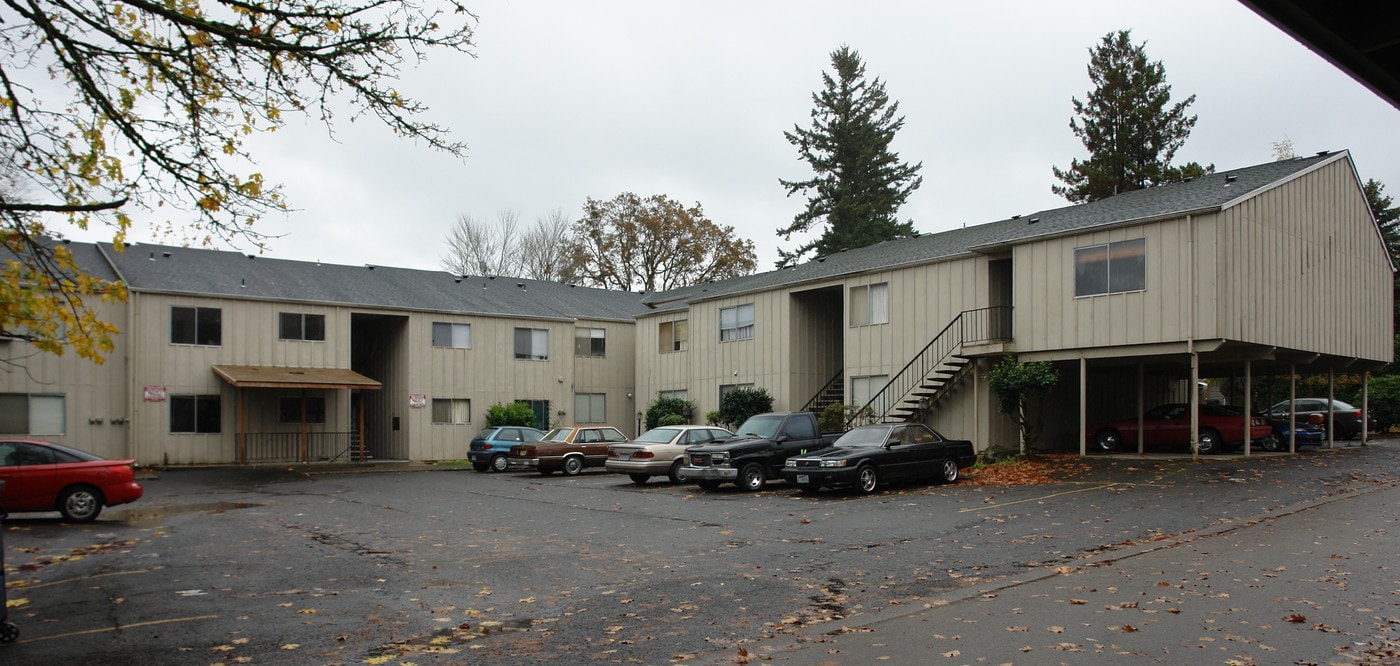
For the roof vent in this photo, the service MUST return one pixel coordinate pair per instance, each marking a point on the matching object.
(243, 282)
(1015, 217)
(520, 284)
(165, 254)
(1229, 179)
(249, 256)
(1033, 220)
(369, 266)
(153, 256)
(1320, 153)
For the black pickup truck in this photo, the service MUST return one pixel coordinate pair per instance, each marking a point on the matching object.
(756, 452)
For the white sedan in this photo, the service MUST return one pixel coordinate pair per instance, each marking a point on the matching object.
(659, 451)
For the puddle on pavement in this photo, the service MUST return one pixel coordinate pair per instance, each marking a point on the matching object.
(146, 517)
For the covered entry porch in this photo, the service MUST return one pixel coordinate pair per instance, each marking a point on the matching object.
(290, 414)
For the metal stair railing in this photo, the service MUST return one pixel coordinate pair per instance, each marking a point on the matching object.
(818, 401)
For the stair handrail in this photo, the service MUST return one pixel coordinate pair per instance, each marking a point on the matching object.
(881, 394)
(822, 391)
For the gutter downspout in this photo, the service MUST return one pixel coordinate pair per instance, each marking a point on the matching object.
(1191, 338)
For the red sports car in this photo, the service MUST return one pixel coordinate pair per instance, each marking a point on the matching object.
(43, 476)
(1170, 425)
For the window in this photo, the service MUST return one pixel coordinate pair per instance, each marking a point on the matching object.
(27, 414)
(736, 323)
(196, 326)
(195, 413)
(675, 336)
(676, 395)
(726, 389)
(455, 336)
(541, 410)
(865, 388)
(289, 409)
(870, 304)
(532, 344)
(590, 408)
(298, 326)
(1111, 268)
(452, 410)
(590, 342)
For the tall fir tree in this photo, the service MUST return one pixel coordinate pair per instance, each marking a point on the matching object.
(859, 184)
(1388, 219)
(1128, 124)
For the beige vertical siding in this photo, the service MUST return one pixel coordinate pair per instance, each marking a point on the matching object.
(1303, 267)
(93, 395)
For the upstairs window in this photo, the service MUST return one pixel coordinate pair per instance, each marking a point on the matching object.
(454, 336)
(675, 336)
(870, 304)
(1111, 268)
(196, 326)
(590, 342)
(298, 326)
(532, 344)
(736, 323)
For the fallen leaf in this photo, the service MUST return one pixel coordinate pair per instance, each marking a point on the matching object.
(1294, 617)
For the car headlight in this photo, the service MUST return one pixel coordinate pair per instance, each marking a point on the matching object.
(833, 463)
(719, 458)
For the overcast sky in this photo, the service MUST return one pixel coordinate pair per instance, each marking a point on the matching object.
(568, 100)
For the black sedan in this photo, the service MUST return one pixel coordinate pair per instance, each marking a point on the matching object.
(868, 456)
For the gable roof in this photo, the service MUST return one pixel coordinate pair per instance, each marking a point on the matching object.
(183, 270)
(1208, 193)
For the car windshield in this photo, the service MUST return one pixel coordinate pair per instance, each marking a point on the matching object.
(558, 435)
(656, 435)
(864, 436)
(761, 426)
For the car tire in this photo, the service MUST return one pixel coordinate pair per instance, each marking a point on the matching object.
(80, 504)
(500, 463)
(867, 479)
(707, 484)
(948, 471)
(1108, 439)
(573, 465)
(1208, 442)
(674, 474)
(481, 466)
(1271, 443)
(639, 479)
(751, 478)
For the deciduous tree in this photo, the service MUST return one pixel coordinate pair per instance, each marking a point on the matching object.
(859, 182)
(1017, 385)
(1128, 124)
(110, 108)
(1388, 218)
(654, 244)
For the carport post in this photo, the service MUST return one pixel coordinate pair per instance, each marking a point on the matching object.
(1142, 373)
(1195, 404)
(1331, 411)
(1248, 413)
(1083, 405)
(1365, 405)
(1292, 408)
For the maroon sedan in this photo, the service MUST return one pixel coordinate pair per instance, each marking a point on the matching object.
(43, 476)
(1170, 425)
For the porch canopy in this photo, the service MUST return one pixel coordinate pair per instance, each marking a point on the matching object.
(273, 377)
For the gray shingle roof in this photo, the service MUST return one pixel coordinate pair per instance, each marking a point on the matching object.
(161, 268)
(1211, 191)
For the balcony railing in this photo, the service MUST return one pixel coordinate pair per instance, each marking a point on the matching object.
(265, 447)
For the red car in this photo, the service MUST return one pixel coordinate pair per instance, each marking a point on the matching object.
(1170, 425)
(43, 476)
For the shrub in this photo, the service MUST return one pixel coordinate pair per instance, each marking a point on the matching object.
(835, 417)
(712, 418)
(664, 407)
(672, 419)
(514, 414)
(741, 403)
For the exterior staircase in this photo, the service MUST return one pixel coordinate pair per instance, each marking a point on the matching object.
(833, 393)
(936, 369)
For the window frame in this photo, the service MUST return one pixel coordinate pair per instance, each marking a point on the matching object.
(535, 335)
(200, 404)
(206, 329)
(673, 336)
(454, 406)
(32, 404)
(870, 304)
(592, 345)
(452, 339)
(303, 331)
(597, 402)
(739, 330)
(1095, 268)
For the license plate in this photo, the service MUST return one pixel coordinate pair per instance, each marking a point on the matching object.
(802, 478)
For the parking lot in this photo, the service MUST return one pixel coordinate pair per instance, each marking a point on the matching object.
(448, 565)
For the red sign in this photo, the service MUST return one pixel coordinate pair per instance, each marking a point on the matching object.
(153, 394)
(418, 400)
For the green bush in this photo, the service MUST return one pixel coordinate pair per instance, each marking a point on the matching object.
(741, 403)
(514, 414)
(664, 407)
(671, 420)
(1384, 398)
(835, 417)
(712, 418)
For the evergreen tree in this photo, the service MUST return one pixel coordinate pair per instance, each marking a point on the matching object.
(1388, 219)
(1128, 124)
(859, 183)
